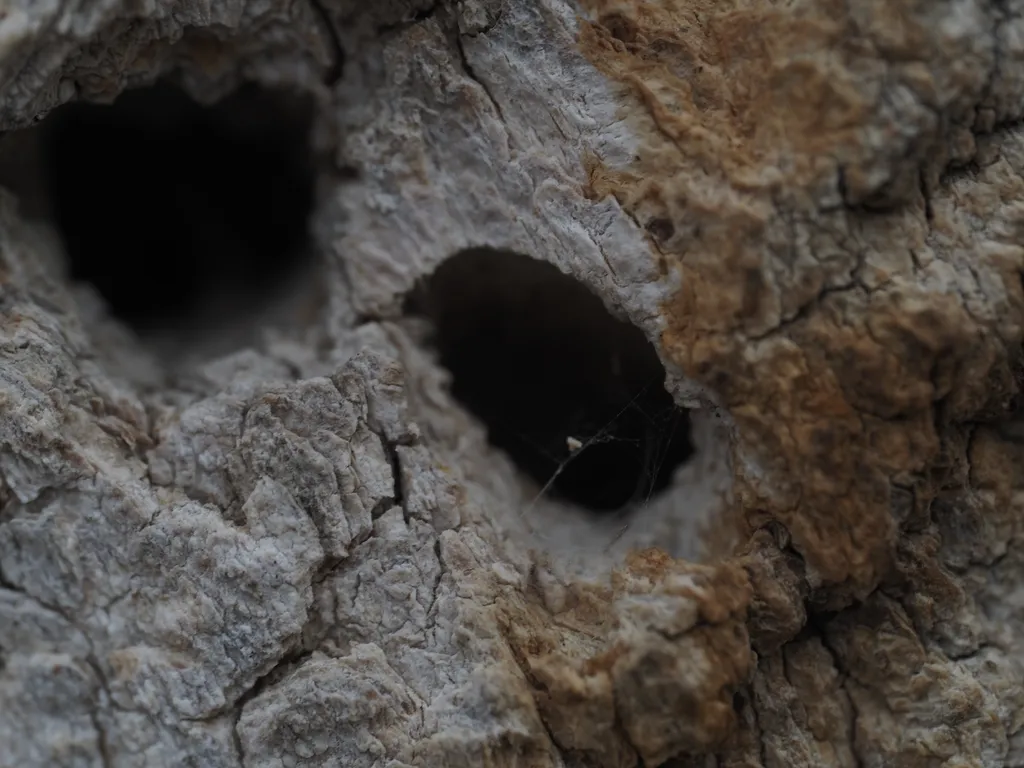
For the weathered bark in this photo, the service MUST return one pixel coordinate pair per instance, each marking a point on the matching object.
(301, 550)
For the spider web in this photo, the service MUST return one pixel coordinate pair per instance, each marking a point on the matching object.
(661, 428)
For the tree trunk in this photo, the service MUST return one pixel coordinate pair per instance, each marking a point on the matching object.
(511, 383)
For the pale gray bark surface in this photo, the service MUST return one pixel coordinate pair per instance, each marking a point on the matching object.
(298, 549)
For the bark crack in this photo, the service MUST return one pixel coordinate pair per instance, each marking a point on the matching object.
(467, 67)
(818, 624)
(335, 72)
(102, 740)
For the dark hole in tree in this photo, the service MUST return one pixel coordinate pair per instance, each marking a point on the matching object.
(539, 359)
(165, 205)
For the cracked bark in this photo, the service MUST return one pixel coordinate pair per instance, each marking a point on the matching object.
(302, 550)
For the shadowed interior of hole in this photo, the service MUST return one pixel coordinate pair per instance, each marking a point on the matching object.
(542, 363)
(164, 204)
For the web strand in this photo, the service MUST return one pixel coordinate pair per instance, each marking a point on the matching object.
(600, 436)
(651, 476)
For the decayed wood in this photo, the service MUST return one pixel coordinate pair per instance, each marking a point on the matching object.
(305, 553)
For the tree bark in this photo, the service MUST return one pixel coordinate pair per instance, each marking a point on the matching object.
(298, 547)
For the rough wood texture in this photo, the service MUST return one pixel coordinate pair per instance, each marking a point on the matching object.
(305, 553)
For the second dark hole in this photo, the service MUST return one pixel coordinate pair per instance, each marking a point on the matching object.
(164, 204)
